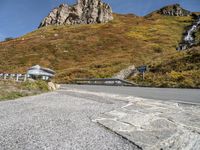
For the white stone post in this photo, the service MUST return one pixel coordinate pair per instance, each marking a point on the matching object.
(25, 77)
(17, 78)
(4, 76)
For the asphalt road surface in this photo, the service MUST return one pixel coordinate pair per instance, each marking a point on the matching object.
(167, 94)
(65, 119)
(58, 120)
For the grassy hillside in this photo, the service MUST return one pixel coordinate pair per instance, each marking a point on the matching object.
(95, 50)
(180, 70)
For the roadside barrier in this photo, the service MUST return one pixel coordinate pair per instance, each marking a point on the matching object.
(104, 81)
(16, 77)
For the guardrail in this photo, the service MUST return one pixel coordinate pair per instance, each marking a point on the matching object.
(104, 81)
(16, 77)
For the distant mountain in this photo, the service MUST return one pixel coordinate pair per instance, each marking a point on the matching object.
(84, 12)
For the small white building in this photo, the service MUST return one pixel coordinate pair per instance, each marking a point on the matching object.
(38, 72)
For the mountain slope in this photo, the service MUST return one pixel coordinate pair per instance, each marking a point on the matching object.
(180, 70)
(95, 50)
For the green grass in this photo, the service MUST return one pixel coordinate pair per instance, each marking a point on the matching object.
(12, 90)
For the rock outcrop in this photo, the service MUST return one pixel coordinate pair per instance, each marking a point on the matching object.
(84, 12)
(174, 10)
(125, 73)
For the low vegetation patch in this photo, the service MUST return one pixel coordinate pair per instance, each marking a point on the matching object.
(180, 71)
(12, 90)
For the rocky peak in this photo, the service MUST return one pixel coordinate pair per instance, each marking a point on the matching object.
(173, 10)
(84, 12)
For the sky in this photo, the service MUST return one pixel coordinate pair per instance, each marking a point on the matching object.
(18, 17)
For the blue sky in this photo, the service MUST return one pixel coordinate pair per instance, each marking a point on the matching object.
(18, 17)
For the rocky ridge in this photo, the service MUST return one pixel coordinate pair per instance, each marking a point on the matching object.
(174, 10)
(84, 12)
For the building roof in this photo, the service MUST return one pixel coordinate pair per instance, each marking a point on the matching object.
(40, 71)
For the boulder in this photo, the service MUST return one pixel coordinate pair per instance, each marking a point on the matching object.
(52, 86)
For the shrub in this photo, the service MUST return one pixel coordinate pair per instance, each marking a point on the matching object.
(158, 49)
(176, 76)
(37, 85)
(8, 38)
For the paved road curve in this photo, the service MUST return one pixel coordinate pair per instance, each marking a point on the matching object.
(167, 94)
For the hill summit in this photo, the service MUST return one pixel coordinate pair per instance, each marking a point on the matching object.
(174, 10)
(84, 12)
